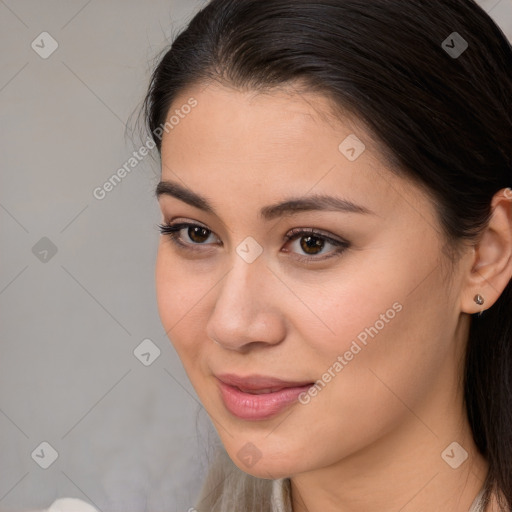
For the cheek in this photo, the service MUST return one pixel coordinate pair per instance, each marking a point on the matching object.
(180, 294)
(358, 305)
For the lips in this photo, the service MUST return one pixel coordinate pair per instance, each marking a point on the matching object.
(257, 397)
(257, 384)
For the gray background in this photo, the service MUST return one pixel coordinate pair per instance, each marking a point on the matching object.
(129, 437)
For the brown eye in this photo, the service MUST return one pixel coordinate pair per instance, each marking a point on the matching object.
(198, 234)
(311, 244)
(308, 245)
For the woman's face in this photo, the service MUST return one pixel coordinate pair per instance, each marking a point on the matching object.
(362, 307)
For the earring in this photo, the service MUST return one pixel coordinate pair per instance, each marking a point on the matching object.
(478, 299)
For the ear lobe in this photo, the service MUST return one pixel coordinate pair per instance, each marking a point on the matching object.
(491, 268)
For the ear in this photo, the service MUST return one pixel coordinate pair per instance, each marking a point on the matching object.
(490, 268)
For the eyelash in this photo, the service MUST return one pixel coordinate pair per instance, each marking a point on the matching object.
(172, 231)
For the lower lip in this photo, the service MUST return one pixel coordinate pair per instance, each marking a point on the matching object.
(258, 407)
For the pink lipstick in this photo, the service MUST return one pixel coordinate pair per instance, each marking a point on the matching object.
(257, 397)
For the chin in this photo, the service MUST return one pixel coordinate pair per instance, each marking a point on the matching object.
(265, 462)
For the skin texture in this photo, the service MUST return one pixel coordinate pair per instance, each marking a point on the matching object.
(372, 438)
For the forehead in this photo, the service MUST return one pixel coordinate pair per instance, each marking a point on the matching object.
(256, 129)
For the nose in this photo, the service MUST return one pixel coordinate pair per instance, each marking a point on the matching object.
(246, 311)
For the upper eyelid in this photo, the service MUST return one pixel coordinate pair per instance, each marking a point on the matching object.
(316, 232)
(163, 210)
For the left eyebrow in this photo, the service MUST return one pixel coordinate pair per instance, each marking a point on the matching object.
(312, 203)
(289, 206)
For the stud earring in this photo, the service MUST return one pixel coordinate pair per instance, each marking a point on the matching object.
(478, 299)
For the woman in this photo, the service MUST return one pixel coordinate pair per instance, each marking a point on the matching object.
(335, 263)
